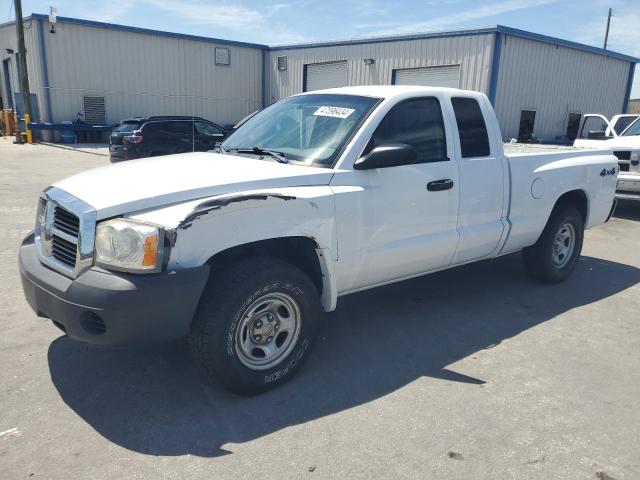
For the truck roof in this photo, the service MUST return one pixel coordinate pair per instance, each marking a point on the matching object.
(390, 91)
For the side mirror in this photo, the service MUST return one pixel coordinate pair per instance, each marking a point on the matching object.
(392, 155)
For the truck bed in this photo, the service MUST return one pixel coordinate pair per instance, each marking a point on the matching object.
(528, 148)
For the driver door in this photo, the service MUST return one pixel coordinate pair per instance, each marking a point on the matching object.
(399, 221)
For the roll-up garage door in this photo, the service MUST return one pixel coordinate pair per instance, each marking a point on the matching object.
(448, 76)
(325, 75)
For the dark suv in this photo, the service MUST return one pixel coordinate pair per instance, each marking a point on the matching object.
(154, 136)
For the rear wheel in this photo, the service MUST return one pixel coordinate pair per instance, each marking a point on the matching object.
(554, 256)
(255, 325)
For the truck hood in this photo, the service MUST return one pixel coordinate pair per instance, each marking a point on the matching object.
(141, 184)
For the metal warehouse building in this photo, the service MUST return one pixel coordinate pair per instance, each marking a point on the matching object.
(111, 72)
(538, 84)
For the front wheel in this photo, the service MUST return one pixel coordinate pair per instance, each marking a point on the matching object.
(255, 325)
(554, 256)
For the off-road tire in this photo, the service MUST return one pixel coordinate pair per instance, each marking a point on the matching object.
(222, 308)
(538, 260)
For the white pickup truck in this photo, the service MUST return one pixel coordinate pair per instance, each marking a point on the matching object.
(622, 136)
(315, 197)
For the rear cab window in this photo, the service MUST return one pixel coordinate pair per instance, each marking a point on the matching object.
(472, 129)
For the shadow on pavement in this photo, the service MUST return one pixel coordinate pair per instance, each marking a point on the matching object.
(628, 210)
(99, 149)
(152, 401)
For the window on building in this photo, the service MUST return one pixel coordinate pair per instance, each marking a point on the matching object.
(573, 124)
(527, 122)
(282, 63)
(223, 56)
(416, 122)
(474, 140)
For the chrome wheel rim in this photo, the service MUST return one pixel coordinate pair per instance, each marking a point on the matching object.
(268, 331)
(563, 245)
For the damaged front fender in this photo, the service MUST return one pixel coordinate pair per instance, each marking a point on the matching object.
(199, 229)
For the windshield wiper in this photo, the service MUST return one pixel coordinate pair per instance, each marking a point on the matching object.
(278, 156)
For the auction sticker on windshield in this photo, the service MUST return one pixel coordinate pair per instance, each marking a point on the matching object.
(337, 112)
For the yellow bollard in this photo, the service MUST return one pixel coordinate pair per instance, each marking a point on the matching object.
(6, 118)
(27, 121)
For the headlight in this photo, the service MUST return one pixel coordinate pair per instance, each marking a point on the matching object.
(129, 246)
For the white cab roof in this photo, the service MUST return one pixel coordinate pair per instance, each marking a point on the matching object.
(391, 91)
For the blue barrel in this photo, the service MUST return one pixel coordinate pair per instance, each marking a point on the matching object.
(67, 137)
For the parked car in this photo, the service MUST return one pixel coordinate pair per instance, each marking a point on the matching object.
(156, 136)
(598, 132)
(317, 196)
(243, 120)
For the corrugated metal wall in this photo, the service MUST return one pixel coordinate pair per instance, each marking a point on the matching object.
(555, 81)
(141, 74)
(8, 40)
(144, 74)
(471, 52)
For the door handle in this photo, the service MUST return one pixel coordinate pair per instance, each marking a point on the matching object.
(439, 185)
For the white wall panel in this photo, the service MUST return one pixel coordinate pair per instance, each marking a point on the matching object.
(8, 40)
(143, 74)
(471, 52)
(555, 81)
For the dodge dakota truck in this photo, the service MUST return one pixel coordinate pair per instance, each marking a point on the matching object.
(625, 145)
(315, 197)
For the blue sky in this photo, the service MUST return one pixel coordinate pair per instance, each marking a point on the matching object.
(293, 21)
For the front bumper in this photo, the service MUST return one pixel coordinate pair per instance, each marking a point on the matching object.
(112, 308)
(628, 187)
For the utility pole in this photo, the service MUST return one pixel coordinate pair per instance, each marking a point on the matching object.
(22, 51)
(606, 33)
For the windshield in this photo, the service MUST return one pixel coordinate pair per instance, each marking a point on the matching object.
(127, 127)
(622, 123)
(634, 129)
(308, 128)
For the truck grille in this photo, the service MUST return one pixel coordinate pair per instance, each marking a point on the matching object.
(64, 250)
(65, 232)
(66, 222)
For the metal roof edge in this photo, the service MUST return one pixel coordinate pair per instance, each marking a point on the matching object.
(355, 41)
(160, 33)
(390, 38)
(564, 43)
